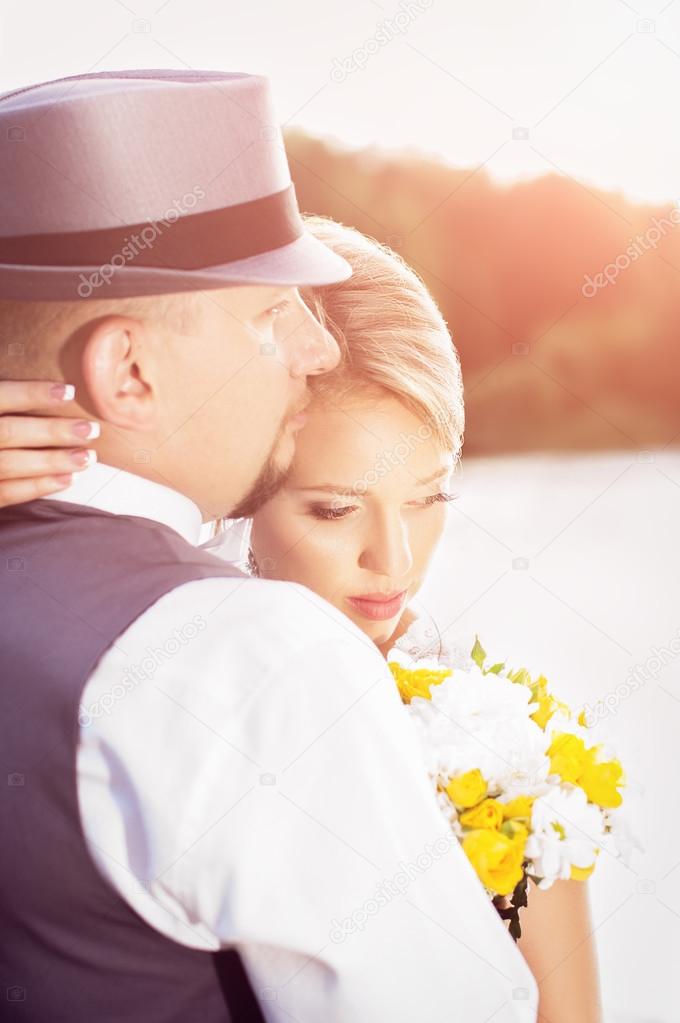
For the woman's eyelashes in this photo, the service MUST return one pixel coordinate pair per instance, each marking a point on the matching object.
(442, 496)
(319, 511)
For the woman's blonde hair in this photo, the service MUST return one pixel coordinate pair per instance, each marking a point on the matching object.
(391, 334)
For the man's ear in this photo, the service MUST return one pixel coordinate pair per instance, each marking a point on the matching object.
(120, 386)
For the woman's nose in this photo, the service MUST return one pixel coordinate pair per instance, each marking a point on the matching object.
(311, 348)
(388, 551)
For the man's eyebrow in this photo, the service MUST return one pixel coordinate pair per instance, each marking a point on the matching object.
(332, 488)
(276, 293)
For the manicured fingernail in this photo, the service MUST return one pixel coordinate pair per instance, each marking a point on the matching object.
(62, 392)
(86, 430)
(82, 458)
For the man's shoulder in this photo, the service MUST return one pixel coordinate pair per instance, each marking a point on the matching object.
(257, 636)
(283, 612)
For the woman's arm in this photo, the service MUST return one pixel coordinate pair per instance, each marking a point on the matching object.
(558, 944)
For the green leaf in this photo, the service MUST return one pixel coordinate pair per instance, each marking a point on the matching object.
(496, 669)
(521, 675)
(478, 653)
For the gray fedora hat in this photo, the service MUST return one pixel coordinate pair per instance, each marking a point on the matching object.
(147, 182)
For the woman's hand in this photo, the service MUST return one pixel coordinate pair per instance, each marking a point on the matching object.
(39, 453)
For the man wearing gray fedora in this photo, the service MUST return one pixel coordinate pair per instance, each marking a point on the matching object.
(215, 806)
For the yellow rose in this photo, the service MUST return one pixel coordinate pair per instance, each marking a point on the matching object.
(519, 807)
(487, 814)
(568, 756)
(496, 858)
(546, 708)
(467, 789)
(600, 781)
(516, 831)
(416, 682)
(581, 873)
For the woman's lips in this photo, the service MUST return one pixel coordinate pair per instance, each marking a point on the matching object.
(376, 607)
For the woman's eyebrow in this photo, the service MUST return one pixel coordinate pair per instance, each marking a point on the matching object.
(444, 470)
(333, 488)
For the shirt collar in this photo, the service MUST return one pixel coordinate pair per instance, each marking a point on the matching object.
(122, 493)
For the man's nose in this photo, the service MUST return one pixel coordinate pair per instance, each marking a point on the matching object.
(311, 348)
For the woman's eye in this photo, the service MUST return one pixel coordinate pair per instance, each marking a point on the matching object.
(320, 512)
(435, 498)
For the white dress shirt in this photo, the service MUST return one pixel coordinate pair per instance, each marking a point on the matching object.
(247, 776)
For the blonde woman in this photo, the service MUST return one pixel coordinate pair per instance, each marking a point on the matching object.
(358, 517)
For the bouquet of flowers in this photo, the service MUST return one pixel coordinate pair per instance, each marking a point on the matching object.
(525, 787)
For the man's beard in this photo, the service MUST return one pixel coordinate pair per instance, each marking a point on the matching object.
(268, 483)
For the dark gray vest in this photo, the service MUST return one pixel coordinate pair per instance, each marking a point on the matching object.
(72, 950)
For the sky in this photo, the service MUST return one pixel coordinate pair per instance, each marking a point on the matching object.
(585, 89)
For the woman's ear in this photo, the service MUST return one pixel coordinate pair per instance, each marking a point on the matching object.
(120, 388)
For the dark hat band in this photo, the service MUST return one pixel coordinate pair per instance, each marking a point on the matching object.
(188, 241)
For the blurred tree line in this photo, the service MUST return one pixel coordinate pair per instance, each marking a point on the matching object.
(550, 361)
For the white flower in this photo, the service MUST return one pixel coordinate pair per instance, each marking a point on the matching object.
(621, 834)
(483, 721)
(566, 830)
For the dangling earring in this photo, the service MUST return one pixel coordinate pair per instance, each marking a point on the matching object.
(252, 564)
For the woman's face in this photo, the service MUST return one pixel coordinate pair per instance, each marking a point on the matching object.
(361, 512)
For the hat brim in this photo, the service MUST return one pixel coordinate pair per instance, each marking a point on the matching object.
(306, 262)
